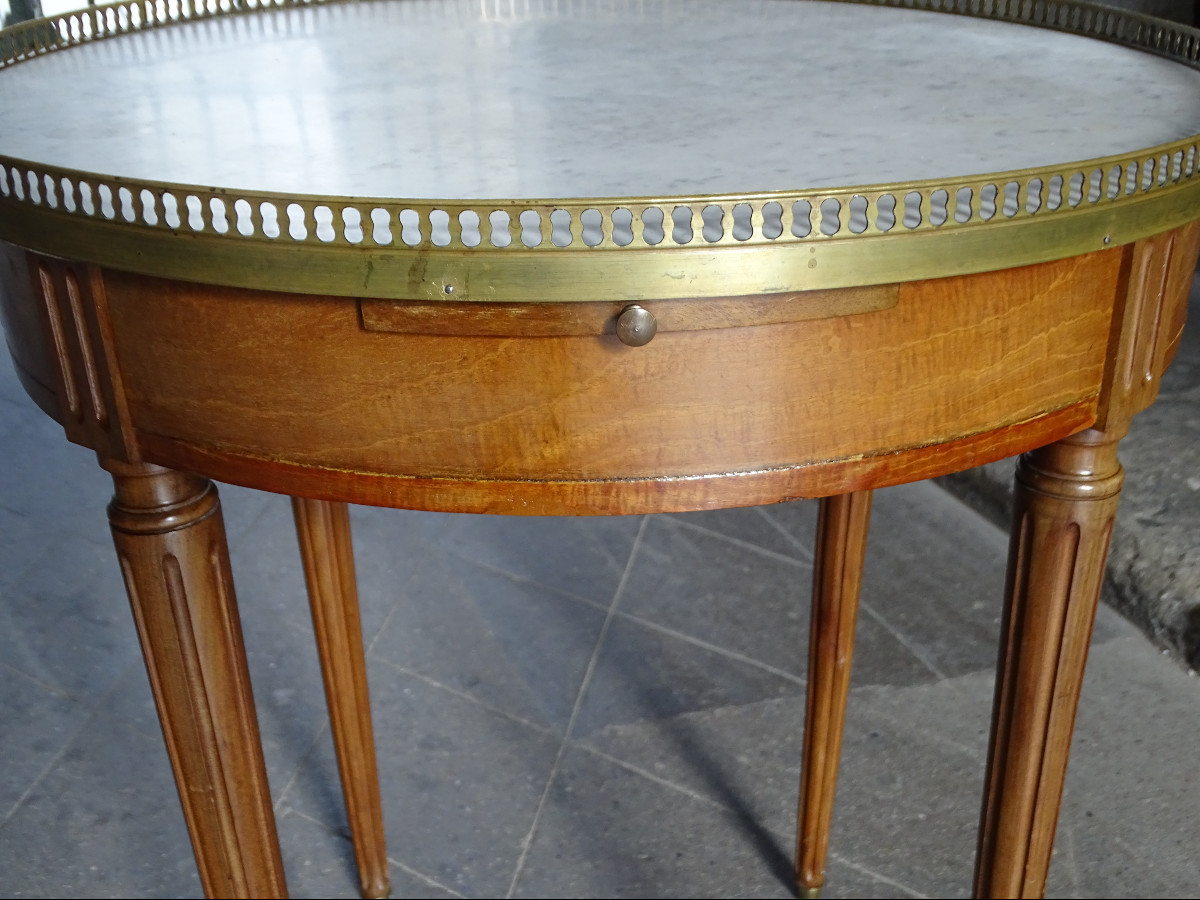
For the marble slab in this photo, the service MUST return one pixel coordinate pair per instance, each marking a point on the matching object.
(472, 99)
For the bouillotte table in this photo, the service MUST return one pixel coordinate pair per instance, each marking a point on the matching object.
(565, 257)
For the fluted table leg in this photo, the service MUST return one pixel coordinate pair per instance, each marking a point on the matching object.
(324, 532)
(837, 577)
(170, 542)
(1065, 505)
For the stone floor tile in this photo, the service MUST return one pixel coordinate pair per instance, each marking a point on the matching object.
(746, 602)
(512, 644)
(314, 872)
(608, 832)
(65, 622)
(643, 673)
(461, 784)
(744, 757)
(787, 529)
(39, 722)
(104, 821)
(584, 556)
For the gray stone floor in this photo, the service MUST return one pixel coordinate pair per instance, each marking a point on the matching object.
(577, 707)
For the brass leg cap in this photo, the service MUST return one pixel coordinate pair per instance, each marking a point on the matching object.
(809, 893)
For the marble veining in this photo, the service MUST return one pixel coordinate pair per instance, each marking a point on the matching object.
(579, 98)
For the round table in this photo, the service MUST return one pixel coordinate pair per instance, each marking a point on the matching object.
(568, 257)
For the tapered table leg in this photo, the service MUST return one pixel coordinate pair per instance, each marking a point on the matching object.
(1065, 505)
(837, 577)
(325, 547)
(170, 542)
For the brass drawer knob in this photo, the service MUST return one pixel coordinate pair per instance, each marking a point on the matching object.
(636, 326)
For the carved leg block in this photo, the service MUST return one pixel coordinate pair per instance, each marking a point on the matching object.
(1065, 505)
(324, 532)
(170, 542)
(837, 577)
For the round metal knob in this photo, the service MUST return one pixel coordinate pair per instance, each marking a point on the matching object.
(636, 326)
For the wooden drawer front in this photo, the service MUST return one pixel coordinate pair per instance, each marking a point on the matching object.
(300, 380)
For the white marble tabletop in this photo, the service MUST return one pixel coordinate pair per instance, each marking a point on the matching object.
(473, 99)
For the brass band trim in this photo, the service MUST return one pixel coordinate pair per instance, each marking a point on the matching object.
(624, 248)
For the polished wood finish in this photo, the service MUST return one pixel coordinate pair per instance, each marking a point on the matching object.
(170, 543)
(336, 370)
(634, 495)
(297, 394)
(75, 317)
(558, 319)
(325, 549)
(282, 385)
(1065, 505)
(1152, 311)
(842, 524)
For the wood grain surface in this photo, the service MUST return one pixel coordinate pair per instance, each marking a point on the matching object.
(286, 383)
